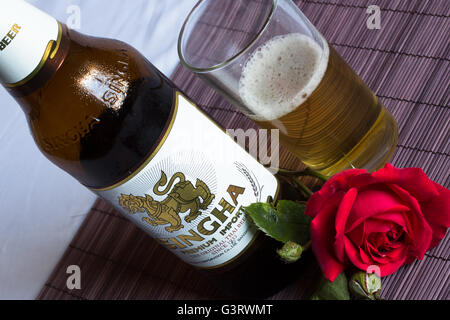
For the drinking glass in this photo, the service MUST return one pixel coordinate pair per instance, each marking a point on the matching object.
(268, 60)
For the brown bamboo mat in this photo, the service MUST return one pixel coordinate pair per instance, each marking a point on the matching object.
(406, 63)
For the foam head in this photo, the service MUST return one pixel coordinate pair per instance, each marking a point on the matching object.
(281, 74)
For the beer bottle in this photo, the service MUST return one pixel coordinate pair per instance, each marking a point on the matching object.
(103, 113)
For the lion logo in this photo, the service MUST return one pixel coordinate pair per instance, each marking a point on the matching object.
(182, 198)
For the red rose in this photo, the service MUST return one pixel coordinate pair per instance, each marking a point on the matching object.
(385, 219)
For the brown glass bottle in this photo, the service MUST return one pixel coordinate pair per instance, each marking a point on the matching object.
(97, 109)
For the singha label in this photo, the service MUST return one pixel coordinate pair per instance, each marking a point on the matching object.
(181, 198)
(189, 194)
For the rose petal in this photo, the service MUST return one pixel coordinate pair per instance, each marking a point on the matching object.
(437, 212)
(414, 180)
(322, 237)
(337, 183)
(356, 235)
(398, 253)
(390, 268)
(342, 214)
(390, 255)
(356, 259)
(365, 258)
(376, 256)
(373, 201)
(418, 229)
(378, 226)
(354, 255)
(395, 217)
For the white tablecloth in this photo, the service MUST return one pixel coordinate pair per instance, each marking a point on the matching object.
(42, 207)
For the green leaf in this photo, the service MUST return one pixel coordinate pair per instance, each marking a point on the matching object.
(287, 222)
(294, 214)
(336, 290)
(290, 252)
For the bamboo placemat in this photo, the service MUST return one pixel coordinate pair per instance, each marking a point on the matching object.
(406, 64)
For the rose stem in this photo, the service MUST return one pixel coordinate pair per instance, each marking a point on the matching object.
(307, 246)
(306, 172)
(303, 187)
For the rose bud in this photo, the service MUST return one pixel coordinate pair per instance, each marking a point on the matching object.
(290, 252)
(364, 285)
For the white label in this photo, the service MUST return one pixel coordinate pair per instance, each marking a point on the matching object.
(25, 34)
(189, 195)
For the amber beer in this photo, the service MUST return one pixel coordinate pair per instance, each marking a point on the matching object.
(103, 113)
(326, 115)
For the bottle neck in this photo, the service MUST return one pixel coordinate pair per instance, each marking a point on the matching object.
(32, 47)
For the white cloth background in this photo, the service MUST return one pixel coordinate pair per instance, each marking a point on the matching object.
(41, 207)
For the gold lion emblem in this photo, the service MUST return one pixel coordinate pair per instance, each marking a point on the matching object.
(182, 198)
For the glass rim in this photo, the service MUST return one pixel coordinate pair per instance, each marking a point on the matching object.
(229, 60)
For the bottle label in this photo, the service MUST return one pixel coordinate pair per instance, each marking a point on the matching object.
(189, 193)
(28, 37)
